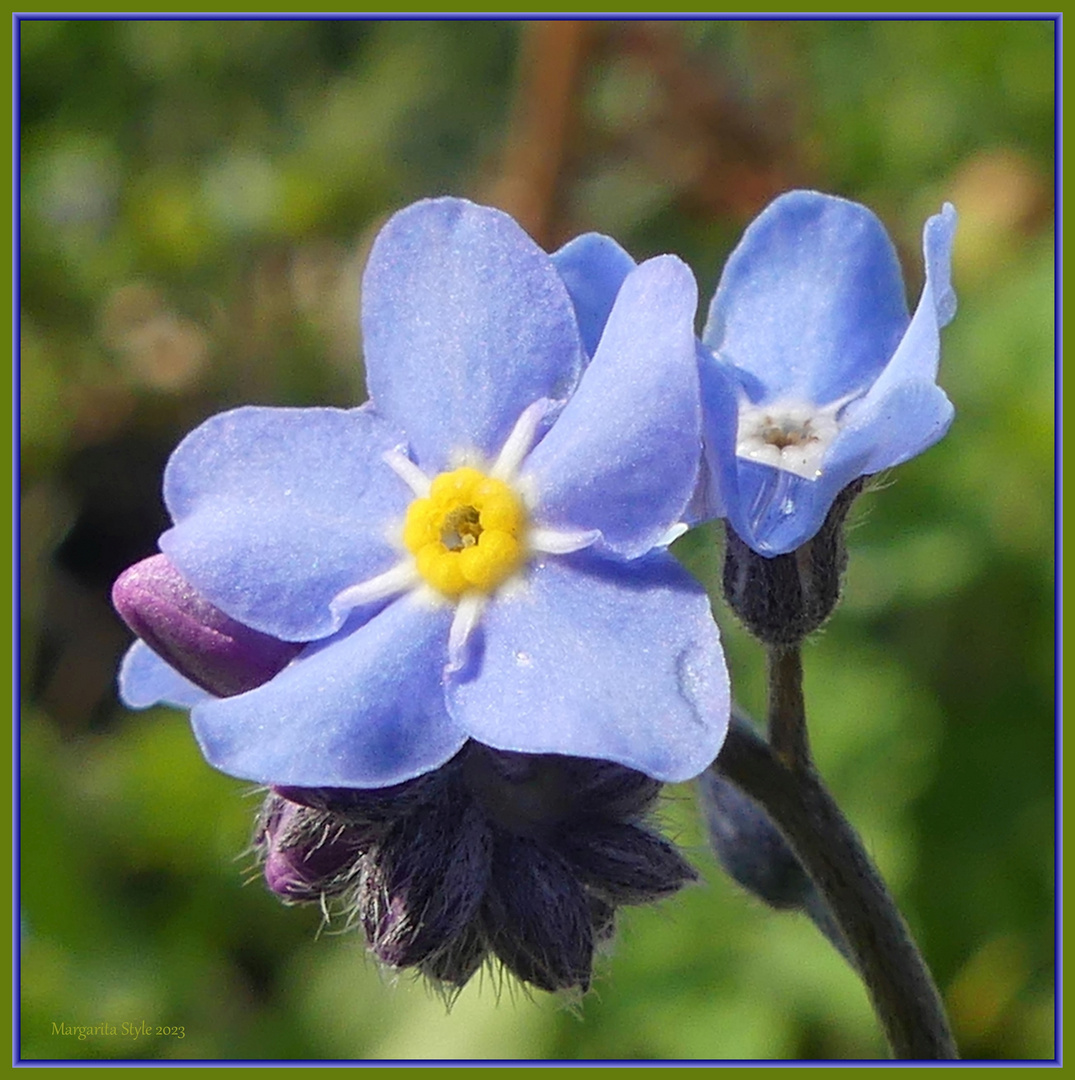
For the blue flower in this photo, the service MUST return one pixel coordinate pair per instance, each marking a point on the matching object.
(814, 373)
(478, 552)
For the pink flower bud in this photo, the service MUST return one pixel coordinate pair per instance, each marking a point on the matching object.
(201, 642)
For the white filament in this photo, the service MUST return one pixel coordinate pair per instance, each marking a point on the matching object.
(520, 441)
(561, 541)
(468, 612)
(402, 577)
(408, 472)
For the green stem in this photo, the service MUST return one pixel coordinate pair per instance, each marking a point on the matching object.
(786, 784)
(787, 710)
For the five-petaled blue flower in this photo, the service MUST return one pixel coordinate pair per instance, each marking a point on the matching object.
(479, 552)
(814, 373)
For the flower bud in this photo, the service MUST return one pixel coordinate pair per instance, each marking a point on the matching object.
(537, 918)
(610, 792)
(749, 847)
(307, 854)
(623, 863)
(782, 598)
(754, 853)
(203, 644)
(455, 963)
(424, 881)
(372, 806)
(524, 857)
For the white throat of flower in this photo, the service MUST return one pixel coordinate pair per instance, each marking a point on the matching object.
(789, 434)
(437, 531)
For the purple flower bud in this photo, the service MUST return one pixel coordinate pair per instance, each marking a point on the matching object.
(533, 794)
(609, 791)
(307, 854)
(526, 794)
(424, 882)
(203, 644)
(602, 919)
(624, 863)
(376, 806)
(522, 856)
(537, 918)
(458, 960)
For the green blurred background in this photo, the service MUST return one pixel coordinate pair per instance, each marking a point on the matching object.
(197, 201)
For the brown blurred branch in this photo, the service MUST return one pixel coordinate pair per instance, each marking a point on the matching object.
(543, 122)
(731, 157)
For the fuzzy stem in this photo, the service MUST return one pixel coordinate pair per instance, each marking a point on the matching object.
(899, 983)
(787, 710)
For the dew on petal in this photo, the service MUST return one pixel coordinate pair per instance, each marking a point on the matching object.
(694, 682)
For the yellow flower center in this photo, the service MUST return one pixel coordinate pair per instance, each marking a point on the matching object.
(469, 534)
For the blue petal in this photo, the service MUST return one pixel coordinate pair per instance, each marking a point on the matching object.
(918, 353)
(145, 679)
(718, 480)
(811, 302)
(937, 238)
(365, 709)
(777, 511)
(894, 427)
(592, 267)
(465, 323)
(904, 411)
(593, 658)
(277, 510)
(623, 455)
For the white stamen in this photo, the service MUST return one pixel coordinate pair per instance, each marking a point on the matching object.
(402, 576)
(561, 541)
(467, 613)
(673, 534)
(789, 434)
(408, 472)
(520, 441)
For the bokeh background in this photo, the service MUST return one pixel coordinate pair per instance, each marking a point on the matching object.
(197, 199)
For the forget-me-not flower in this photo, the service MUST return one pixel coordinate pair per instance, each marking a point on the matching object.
(479, 552)
(814, 373)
